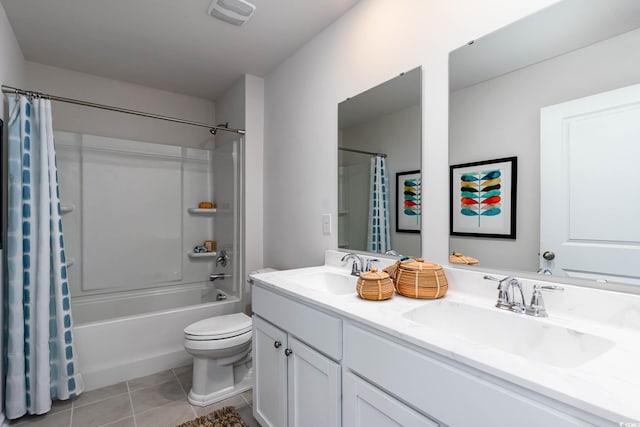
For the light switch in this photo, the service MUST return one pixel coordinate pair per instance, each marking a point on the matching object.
(326, 223)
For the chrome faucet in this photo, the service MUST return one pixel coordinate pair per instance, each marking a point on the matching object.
(356, 265)
(218, 276)
(536, 308)
(506, 300)
(223, 258)
(396, 253)
(368, 263)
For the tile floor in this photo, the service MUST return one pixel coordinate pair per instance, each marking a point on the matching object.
(158, 400)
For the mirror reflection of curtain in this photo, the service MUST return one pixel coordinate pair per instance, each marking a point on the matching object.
(378, 236)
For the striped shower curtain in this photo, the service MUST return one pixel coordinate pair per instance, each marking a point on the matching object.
(379, 235)
(41, 362)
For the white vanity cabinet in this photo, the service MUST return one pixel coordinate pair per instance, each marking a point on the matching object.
(366, 405)
(447, 392)
(270, 364)
(296, 384)
(343, 371)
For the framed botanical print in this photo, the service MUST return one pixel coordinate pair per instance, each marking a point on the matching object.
(483, 198)
(408, 201)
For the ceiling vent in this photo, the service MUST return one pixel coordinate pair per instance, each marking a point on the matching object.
(236, 12)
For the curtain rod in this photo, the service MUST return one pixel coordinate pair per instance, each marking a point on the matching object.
(212, 128)
(353, 150)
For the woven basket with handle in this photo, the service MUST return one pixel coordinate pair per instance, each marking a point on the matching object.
(418, 279)
(375, 285)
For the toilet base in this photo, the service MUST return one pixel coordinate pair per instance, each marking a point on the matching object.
(244, 381)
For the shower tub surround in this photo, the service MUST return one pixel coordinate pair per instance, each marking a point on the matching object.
(134, 287)
(131, 346)
(579, 366)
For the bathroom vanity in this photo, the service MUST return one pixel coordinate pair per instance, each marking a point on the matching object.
(324, 357)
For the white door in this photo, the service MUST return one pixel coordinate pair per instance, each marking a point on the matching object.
(270, 391)
(314, 388)
(589, 170)
(368, 406)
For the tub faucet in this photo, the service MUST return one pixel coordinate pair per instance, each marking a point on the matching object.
(218, 276)
(506, 300)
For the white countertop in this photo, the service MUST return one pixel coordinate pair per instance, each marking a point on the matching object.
(607, 386)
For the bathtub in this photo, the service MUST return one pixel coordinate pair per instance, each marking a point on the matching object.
(132, 346)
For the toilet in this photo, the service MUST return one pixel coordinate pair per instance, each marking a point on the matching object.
(220, 347)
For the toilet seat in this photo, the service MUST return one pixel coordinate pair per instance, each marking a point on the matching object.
(218, 328)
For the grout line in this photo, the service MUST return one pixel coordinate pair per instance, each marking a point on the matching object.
(185, 393)
(175, 376)
(245, 399)
(115, 421)
(133, 413)
(73, 405)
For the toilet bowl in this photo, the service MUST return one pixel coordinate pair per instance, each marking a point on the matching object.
(220, 348)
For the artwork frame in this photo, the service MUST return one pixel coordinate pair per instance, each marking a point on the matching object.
(493, 206)
(405, 222)
(2, 172)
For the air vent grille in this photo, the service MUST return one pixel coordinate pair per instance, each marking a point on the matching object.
(236, 12)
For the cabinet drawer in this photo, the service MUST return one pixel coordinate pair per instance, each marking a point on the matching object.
(318, 329)
(449, 394)
(366, 405)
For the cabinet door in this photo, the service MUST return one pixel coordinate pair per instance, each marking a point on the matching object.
(314, 388)
(270, 392)
(368, 406)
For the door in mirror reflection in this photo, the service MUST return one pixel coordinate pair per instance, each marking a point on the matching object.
(589, 212)
(379, 138)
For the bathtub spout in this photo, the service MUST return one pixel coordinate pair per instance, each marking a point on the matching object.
(218, 276)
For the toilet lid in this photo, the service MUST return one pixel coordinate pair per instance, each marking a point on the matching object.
(219, 327)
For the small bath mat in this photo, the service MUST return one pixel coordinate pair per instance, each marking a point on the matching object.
(225, 417)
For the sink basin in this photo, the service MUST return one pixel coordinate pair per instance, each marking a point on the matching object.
(513, 333)
(329, 282)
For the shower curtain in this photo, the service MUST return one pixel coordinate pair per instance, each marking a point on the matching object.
(41, 362)
(378, 236)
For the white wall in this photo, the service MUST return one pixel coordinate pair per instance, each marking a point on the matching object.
(11, 70)
(254, 173)
(87, 87)
(242, 105)
(397, 135)
(501, 117)
(11, 59)
(374, 41)
(230, 109)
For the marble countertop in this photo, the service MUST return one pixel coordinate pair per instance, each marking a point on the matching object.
(607, 386)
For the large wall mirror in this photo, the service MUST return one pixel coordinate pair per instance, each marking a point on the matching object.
(560, 91)
(379, 164)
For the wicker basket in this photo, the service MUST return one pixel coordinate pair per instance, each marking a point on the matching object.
(375, 285)
(419, 279)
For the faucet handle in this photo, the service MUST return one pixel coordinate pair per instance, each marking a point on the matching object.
(537, 308)
(369, 264)
(552, 288)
